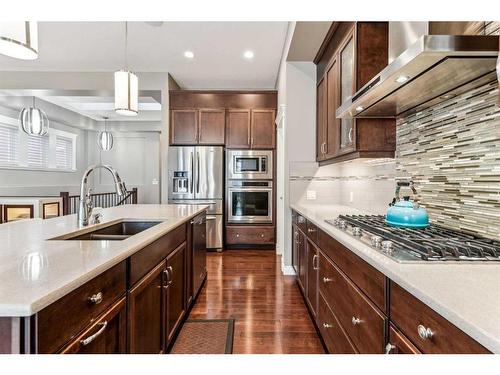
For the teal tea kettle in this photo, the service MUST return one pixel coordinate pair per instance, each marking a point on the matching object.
(404, 212)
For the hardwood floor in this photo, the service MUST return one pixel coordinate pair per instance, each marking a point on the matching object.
(269, 312)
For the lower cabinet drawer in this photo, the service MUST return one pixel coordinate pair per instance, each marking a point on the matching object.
(106, 336)
(362, 321)
(429, 331)
(399, 343)
(79, 309)
(334, 337)
(251, 235)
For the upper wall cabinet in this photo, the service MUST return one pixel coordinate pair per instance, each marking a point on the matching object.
(352, 53)
(253, 129)
(197, 126)
(234, 119)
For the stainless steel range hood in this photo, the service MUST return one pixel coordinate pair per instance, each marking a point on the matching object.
(433, 69)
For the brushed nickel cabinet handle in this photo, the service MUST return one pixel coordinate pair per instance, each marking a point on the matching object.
(262, 235)
(167, 275)
(327, 280)
(311, 230)
(389, 348)
(91, 338)
(327, 325)
(315, 262)
(356, 321)
(171, 272)
(237, 235)
(96, 298)
(425, 332)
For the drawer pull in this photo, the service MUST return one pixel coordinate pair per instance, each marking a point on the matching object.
(171, 272)
(89, 339)
(327, 325)
(315, 261)
(355, 321)
(262, 235)
(96, 298)
(301, 220)
(311, 230)
(167, 276)
(424, 332)
(389, 348)
(327, 280)
(237, 235)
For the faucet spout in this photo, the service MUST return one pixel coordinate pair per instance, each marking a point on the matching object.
(85, 208)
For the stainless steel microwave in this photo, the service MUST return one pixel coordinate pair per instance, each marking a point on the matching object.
(249, 164)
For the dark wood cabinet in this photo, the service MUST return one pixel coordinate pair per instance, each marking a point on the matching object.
(312, 277)
(238, 128)
(250, 235)
(262, 129)
(146, 316)
(355, 52)
(175, 290)
(399, 343)
(107, 335)
(199, 249)
(212, 126)
(295, 249)
(302, 253)
(183, 127)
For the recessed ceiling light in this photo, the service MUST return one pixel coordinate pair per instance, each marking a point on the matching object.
(359, 108)
(189, 54)
(402, 79)
(248, 54)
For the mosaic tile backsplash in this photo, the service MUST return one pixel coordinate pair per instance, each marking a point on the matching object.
(452, 153)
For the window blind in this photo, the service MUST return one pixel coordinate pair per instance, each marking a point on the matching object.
(9, 145)
(38, 151)
(64, 152)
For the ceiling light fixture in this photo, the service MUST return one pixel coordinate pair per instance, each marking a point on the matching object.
(126, 87)
(105, 138)
(19, 39)
(248, 55)
(402, 79)
(34, 121)
(189, 54)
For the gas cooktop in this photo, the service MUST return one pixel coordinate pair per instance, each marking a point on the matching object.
(433, 243)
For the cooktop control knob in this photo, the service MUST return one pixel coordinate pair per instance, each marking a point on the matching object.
(376, 241)
(356, 231)
(387, 247)
(342, 224)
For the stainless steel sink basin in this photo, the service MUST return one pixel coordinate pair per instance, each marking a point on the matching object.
(114, 232)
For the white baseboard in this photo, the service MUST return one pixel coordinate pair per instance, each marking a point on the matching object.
(287, 270)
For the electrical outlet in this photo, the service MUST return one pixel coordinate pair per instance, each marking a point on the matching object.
(311, 195)
(351, 196)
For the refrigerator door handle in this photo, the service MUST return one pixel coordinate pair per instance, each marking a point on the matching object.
(198, 172)
(192, 173)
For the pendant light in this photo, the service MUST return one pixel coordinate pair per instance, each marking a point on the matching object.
(105, 138)
(126, 88)
(34, 121)
(19, 39)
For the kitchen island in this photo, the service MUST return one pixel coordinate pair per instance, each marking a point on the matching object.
(57, 292)
(455, 291)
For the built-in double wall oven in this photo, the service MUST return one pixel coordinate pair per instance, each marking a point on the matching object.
(249, 186)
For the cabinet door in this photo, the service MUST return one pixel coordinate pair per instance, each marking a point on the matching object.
(263, 129)
(295, 253)
(301, 249)
(332, 100)
(176, 289)
(212, 126)
(347, 87)
(321, 119)
(312, 277)
(14, 212)
(199, 243)
(146, 315)
(183, 126)
(238, 128)
(106, 336)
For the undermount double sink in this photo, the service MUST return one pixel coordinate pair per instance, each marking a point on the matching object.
(113, 232)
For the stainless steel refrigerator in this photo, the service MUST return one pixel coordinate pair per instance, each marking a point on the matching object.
(195, 176)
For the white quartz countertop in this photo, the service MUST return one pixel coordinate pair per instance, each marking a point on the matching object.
(466, 294)
(35, 271)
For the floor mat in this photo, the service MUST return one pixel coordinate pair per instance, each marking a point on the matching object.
(212, 336)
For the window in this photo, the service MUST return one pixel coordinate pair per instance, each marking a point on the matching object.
(9, 145)
(64, 152)
(57, 150)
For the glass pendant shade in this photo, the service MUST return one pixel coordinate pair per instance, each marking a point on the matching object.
(34, 121)
(105, 140)
(19, 39)
(126, 93)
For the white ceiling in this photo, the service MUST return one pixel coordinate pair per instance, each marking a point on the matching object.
(218, 49)
(98, 107)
